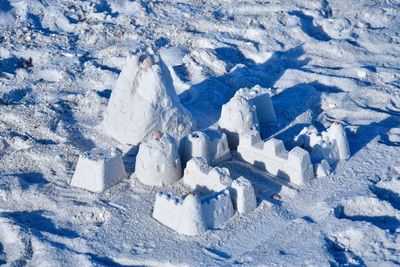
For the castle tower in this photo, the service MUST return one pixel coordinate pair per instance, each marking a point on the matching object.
(144, 100)
(158, 162)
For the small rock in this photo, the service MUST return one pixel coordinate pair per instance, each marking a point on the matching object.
(28, 63)
(276, 197)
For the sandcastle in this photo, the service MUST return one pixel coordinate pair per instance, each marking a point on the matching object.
(261, 99)
(158, 162)
(271, 156)
(144, 100)
(200, 176)
(144, 109)
(243, 196)
(210, 144)
(325, 148)
(219, 148)
(190, 215)
(196, 144)
(183, 214)
(217, 209)
(221, 198)
(248, 108)
(98, 170)
(237, 117)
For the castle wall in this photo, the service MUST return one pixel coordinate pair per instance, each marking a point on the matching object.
(200, 176)
(183, 215)
(217, 208)
(271, 156)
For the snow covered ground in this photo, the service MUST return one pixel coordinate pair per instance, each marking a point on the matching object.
(324, 61)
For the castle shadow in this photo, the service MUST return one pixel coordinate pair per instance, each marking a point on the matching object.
(386, 194)
(129, 160)
(390, 223)
(291, 103)
(20, 96)
(341, 255)
(205, 99)
(29, 179)
(308, 27)
(37, 223)
(366, 133)
(75, 135)
(11, 64)
(5, 5)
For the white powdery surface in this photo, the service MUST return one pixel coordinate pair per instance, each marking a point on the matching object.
(323, 62)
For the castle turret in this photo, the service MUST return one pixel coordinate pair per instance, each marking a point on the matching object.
(158, 162)
(337, 132)
(237, 118)
(196, 144)
(243, 196)
(261, 99)
(192, 220)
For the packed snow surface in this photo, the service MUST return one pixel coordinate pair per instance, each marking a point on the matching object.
(62, 63)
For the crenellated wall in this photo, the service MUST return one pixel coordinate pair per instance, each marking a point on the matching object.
(183, 215)
(217, 208)
(271, 156)
(200, 176)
